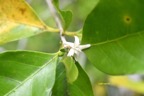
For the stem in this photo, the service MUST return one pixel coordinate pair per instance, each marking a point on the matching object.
(57, 19)
(50, 29)
(22, 44)
(59, 24)
(68, 33)
(77, 33)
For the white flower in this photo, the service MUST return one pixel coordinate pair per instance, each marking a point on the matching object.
(74, 48)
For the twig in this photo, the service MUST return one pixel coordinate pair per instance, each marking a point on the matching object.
(57, 19)
(75, 48)
(22, 44)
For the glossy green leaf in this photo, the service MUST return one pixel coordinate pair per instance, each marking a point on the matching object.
(71, 69)
(18, 20)
(80, 87)
(24, 73)
(115, 30)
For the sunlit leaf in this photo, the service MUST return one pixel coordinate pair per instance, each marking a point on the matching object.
(115, 31)
(24, 73)
(125, 82)
(18, 20)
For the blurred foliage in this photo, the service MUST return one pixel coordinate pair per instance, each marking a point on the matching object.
(80, 10)
(50, 42)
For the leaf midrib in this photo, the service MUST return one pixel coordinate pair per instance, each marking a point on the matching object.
(119, 38)
(32, 75)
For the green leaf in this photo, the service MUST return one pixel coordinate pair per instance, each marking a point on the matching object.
(115, 30)
(18, 20)
(67, 18)
(24, 73)
(80, 87)
(65, 15)
(56, 3)
(71, 69)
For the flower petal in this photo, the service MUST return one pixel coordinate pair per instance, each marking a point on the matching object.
(71, 52)
(77, 52)
(84, 46)
(77, 42)
(70, 44)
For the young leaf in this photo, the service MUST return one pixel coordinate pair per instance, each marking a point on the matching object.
(66, 16)
(24, 73)
(116, 31)
(71, 69)
(80, 87)
(18, 20)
